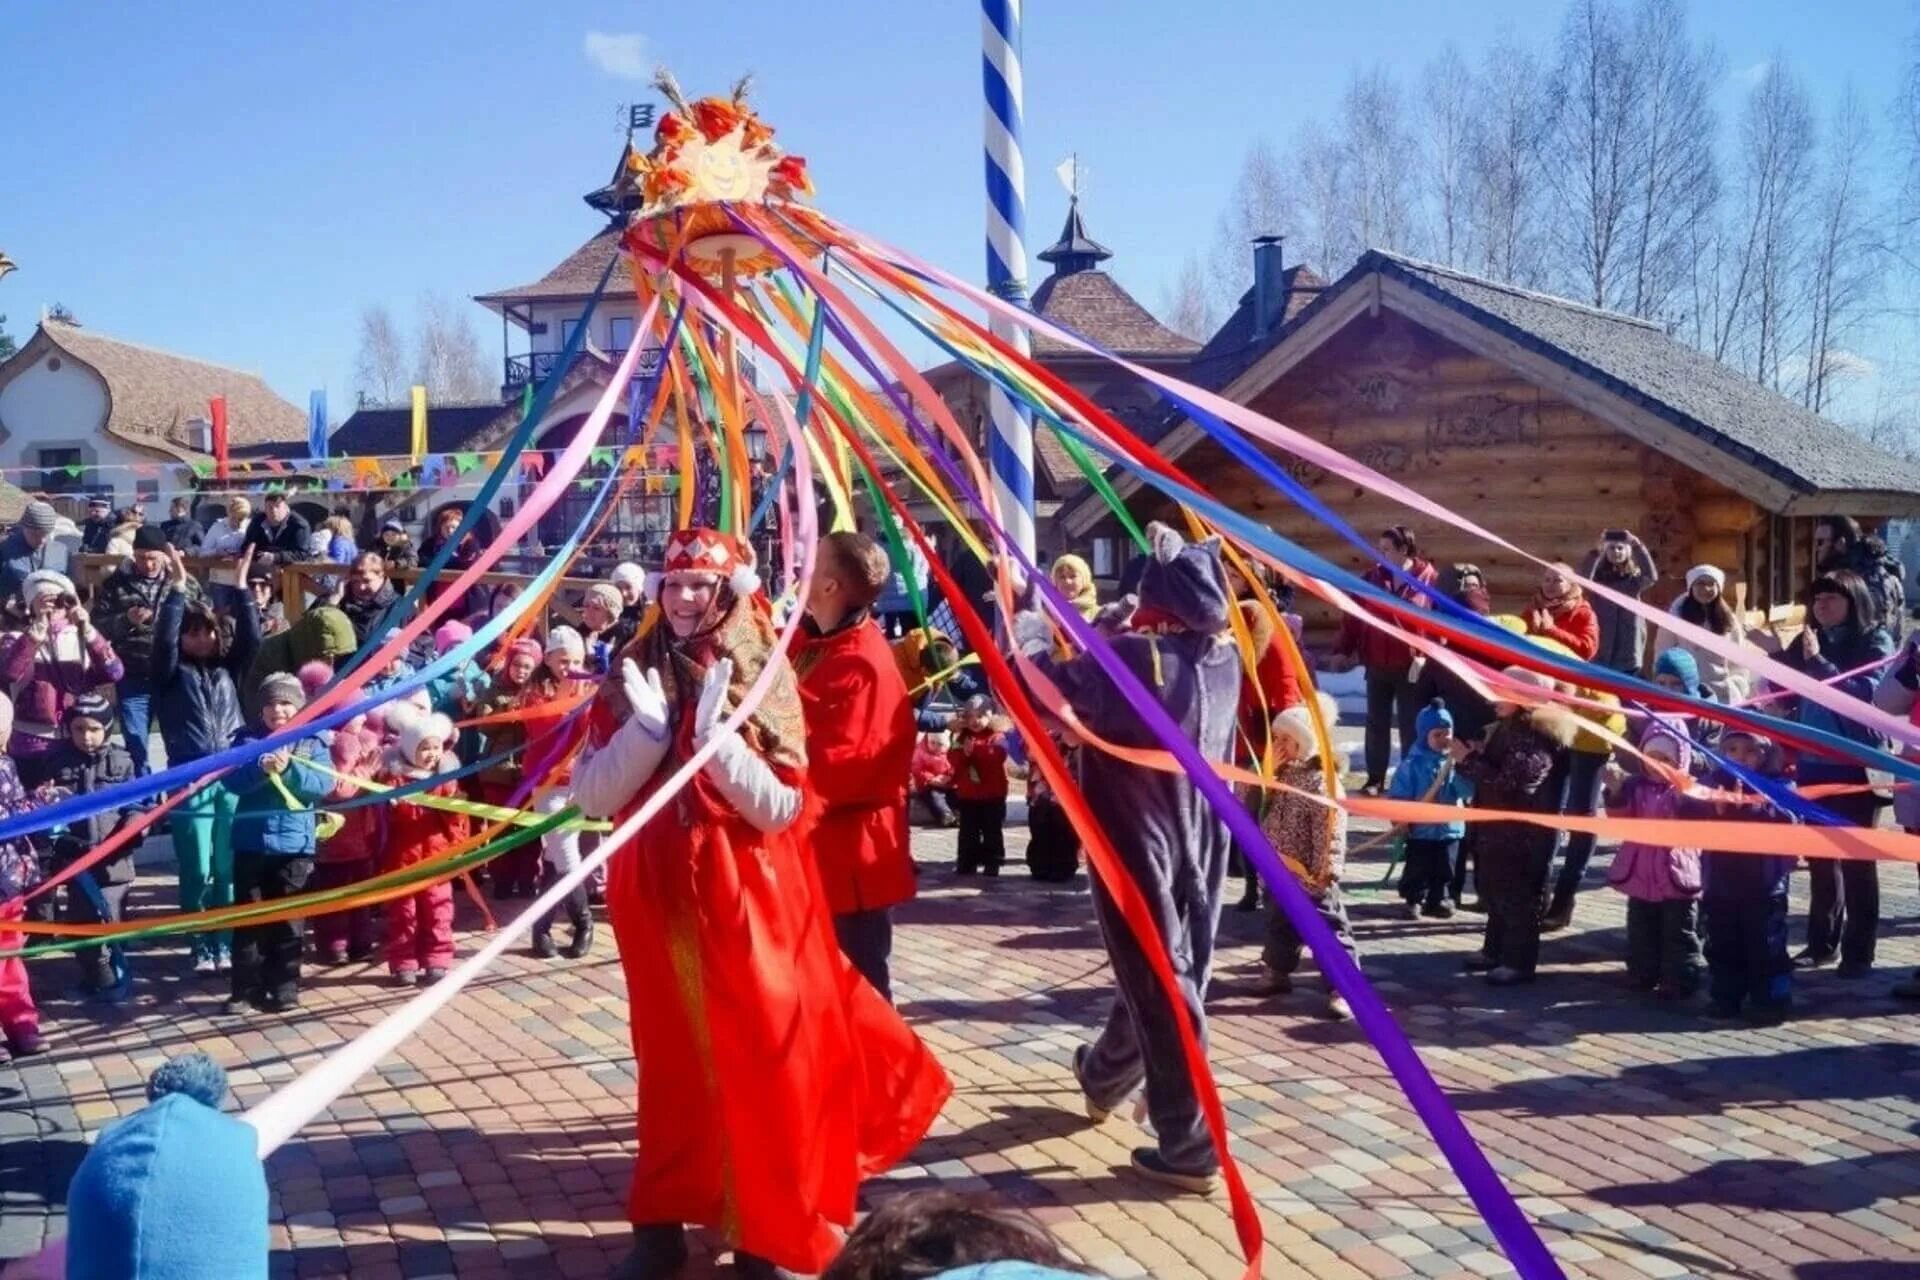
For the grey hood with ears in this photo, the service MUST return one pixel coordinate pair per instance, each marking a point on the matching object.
(1186, 581)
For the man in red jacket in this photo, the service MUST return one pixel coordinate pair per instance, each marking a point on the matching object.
(860, 735)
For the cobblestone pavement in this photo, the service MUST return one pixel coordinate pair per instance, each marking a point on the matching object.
(1643, 1140)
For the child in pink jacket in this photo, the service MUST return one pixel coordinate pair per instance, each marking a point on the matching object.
(1662, 884)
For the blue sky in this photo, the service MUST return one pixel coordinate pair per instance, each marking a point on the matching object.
(235, 181)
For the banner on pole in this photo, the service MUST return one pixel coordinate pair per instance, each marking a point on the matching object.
(217, 415)
(419, 449)
(317, 425)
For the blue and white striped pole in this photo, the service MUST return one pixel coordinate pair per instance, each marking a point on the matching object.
(1010, 439)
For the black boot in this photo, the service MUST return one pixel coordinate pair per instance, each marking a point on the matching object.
(752, 1267)
(659, 1251)
(1559, 912)
(582, 939)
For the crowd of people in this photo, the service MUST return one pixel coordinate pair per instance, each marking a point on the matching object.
(757, 1015)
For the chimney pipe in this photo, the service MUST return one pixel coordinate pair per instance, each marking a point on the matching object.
(1269, 284)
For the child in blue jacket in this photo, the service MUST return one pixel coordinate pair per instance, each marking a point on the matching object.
(273, 846)
(1427, 776)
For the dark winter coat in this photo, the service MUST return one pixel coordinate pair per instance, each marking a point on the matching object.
(81, 774)
(287, 541)
(266, 823)
(18, 558)
(401, 556)
(95, 534)
(19, 864)
(123, 592)
(184, 535)
(197, 704)
(1623, 636)
(1511, 771)
(1843, 648)
(365, 614)
(1738, 877)
(1885, 577)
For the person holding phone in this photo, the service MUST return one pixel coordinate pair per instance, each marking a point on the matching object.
(57, 658)
(1622, 563)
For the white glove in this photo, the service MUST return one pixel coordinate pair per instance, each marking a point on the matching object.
(1032, 633)
(711, 711)
(646, 699)
(749, 784)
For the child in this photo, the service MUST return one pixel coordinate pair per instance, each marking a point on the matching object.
(420, 925)
(1427, 776)
(349, 854)
(274, 834)
(1745, 898)
(516, 870)
(1053, 846)
(559, 681)
(197, 664)
(930, 777)
(87, 763)
(19, 872)
(1662, 884)
(1511, 770)
(1313, 838)
(945, 1233)
(979, 759)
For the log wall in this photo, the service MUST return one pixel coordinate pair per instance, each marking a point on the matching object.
(1473, 436)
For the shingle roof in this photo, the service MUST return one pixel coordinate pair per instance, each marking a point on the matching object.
(576, 276)
(1232, 349)
(1639, 360)
(1093, 305)
(152, 394)
(389, 431)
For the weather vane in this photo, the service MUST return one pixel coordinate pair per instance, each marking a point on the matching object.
(1072, 175)
(635, 116)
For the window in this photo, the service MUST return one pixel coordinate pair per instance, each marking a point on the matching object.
(54, 477)
(1104, 558)
(148, 489)
(619, 333)
(566, 331)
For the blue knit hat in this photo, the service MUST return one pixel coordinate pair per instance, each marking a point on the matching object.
(1432, 716)
(1681, 665)
(174, 1192)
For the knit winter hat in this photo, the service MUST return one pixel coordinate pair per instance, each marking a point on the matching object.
(91, 706)
(1699, 571)
(392, 526)
(1681, 665)
(314, 676)
(566, 640)
(40, 517)
(416, 729)
(1432, 716)
(450, 635)
(173, 1192)
(44, 582)
(1670, 733)
(149, 538)
(1295, 725)
(526, 645)
(609, 597)
(629, 577)
(282, 687)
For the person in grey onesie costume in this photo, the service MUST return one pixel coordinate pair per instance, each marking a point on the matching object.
(1167, 837)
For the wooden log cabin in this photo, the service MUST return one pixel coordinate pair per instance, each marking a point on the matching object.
(1540, 419)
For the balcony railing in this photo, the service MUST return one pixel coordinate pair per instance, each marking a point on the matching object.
(537, 365)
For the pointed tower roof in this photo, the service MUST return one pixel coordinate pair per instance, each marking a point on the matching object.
(621, 195)
(1075, 250)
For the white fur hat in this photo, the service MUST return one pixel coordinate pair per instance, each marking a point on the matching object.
(1714, 574)
(416, 729)
(43, 581)
(1295, 725)
(566, 640)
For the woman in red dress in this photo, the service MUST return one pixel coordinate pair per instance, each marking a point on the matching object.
(772, 1077)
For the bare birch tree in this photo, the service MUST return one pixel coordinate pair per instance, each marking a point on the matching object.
(1378, 155)
(1262, 204)
(1319, 170)
(1843, 269)
(1593, 151)
(380, 365)
(449, 362)
(1776, 161)
(1449, 142)
(1678, 186)
(1188, 307)
(1506, 178)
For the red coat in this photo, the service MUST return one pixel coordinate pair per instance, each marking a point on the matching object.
(1268, 689)
(1577, 628)
(414, 832)
(979, 766)
(1375, 649)
(860, 740)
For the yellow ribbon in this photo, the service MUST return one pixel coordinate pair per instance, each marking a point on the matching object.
(455, 804)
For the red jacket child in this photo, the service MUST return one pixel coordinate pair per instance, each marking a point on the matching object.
(979, 759)
(931, 767)
(420, 926)
(351, 853)
(860, 743)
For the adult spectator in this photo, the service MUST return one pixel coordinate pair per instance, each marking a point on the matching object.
(1839, 543)
(446, 523)
(48, 665)
(129, 604)
(340, 545)
(228, 536)
(1842, 636)
(631, 579)
(323, 634)
(1387, 659)
(396, 548)
(181, 530)
(1560, 612)
(260, 586)
(280, 531)
(859, 749)
(99, 526)
(29, 548)
(1704, 604)
(602, 626)
(1621, 563)
(368, 595)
